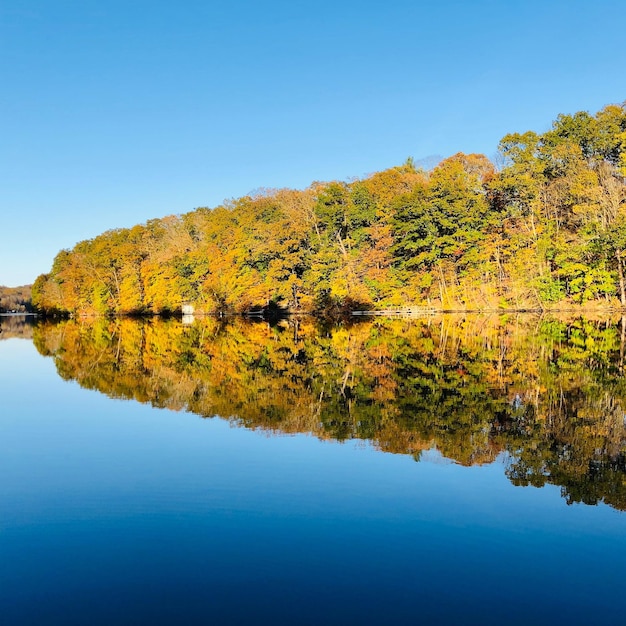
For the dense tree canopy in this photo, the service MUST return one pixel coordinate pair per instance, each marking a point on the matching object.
(15, 299)
(549, 227)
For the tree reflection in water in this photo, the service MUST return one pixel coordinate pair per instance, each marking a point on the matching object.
(545, 395)
(16, 326)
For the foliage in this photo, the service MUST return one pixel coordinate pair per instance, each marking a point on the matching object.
(548, 229)
(15, 299)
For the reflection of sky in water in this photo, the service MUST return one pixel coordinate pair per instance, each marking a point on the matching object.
(111, 511)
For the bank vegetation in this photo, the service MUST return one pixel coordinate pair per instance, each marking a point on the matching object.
(544, 229)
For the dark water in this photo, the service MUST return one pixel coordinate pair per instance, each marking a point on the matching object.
(446, 471)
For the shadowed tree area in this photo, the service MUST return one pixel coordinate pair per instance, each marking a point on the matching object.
(543, 395)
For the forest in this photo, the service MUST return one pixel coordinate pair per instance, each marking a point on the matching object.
(542, 228)
(15, 299)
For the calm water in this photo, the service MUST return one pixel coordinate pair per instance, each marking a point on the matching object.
(449, 471)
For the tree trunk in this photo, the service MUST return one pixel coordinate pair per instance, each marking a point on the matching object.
(620, 273)
(622, 344)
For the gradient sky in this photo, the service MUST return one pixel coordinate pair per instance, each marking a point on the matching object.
(115, 112)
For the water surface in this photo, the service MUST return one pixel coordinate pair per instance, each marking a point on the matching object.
(437, 471)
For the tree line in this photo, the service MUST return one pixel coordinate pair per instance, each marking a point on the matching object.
(545, 228)
(15, 299)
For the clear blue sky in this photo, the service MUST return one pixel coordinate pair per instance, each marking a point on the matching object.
(115, 112)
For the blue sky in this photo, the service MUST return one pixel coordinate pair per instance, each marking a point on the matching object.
(112, 113)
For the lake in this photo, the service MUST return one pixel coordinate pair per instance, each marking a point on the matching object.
(446, 470)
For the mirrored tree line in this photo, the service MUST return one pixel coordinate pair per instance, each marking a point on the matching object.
(544, 395)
